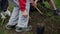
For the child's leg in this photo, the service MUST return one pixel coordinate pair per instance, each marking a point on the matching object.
(4, 8)
(4, 5)
(56, 11)
(51, 2)
(23, 21)
(14, 17)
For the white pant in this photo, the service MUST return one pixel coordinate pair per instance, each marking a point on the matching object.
(17, 18)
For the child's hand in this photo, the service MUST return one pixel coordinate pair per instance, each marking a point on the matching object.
(25, 13)
(34, 3)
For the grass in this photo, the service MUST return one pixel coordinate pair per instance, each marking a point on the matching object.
(52, 23)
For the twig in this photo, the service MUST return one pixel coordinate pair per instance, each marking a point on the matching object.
(3, 20)
(38, 10)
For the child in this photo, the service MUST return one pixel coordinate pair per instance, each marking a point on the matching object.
(20, 15)
(4, 8)
(51, 2)
(57, 11)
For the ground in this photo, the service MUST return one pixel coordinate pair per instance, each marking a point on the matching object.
(52, 23)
